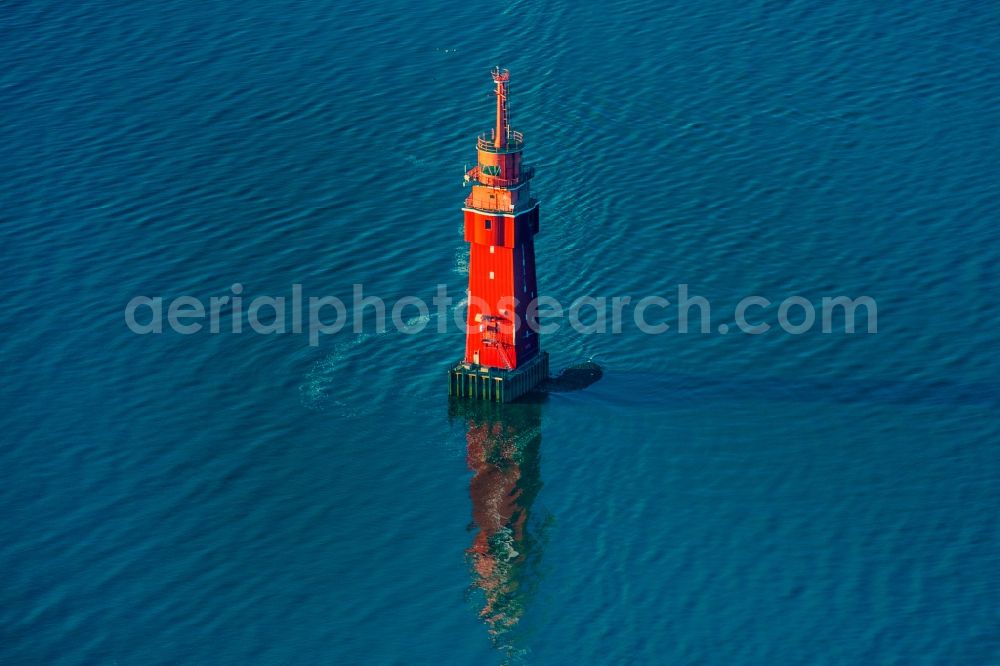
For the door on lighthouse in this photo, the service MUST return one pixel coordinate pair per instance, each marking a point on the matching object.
(475, 357)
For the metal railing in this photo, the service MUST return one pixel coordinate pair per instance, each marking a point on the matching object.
(515, 142)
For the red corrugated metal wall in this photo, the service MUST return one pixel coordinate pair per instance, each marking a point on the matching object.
(501, 285)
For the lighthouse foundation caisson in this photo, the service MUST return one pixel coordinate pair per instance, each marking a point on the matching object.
(481, 382)
(503, 357)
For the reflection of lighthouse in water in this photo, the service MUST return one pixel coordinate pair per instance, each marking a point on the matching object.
(503, 453)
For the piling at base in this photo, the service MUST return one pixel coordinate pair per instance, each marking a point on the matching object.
(467, 380)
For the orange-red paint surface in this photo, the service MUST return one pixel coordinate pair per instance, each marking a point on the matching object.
(501, 220)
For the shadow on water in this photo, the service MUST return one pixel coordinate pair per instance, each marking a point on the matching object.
(503, 445)
(574, 378)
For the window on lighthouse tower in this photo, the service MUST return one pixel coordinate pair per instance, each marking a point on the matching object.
(488, 224)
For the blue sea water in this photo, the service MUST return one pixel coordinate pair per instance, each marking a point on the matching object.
(714, 499)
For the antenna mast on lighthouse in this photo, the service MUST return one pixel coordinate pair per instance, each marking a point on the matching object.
(502, 81)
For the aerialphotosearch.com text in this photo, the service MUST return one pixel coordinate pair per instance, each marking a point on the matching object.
(317, 316)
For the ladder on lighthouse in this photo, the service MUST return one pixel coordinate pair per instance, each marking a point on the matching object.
(493, 342)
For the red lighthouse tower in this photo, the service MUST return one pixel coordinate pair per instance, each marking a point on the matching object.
(503, 358)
